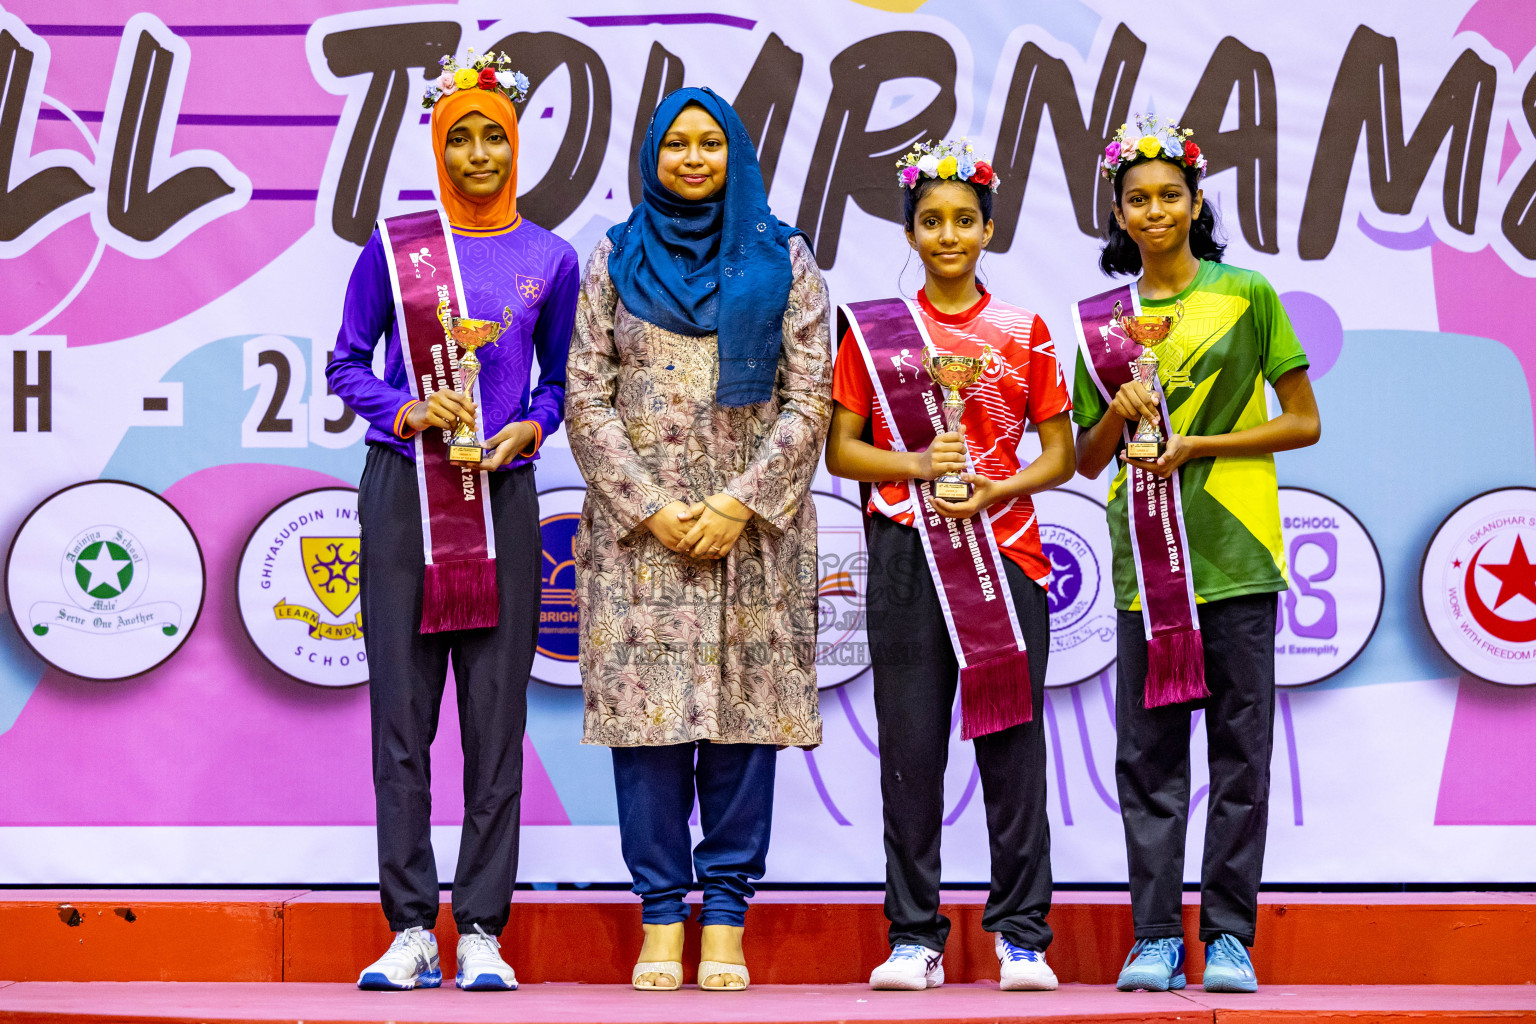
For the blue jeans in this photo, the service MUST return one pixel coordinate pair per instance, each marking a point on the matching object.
(656, 788)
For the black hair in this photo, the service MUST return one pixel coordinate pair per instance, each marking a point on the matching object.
(1120, 254)
(910, 197)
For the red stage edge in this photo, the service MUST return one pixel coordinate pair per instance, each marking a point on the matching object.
(793, 938)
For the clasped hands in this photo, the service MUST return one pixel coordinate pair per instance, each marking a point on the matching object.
(445, 409)
(947, 455)
(705, 529)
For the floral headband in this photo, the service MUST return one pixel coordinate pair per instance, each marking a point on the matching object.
(1146, 138)
(488, 71)
(950, 159)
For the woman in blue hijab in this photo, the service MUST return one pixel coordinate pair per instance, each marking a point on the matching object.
(698, 398)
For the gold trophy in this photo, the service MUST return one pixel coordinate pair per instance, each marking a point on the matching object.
(469, 334)
(1147, 330)
(953, 373)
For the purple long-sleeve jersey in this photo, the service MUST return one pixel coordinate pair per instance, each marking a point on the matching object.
(526, 278)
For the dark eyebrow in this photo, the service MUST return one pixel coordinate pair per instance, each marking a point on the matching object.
(680, 133)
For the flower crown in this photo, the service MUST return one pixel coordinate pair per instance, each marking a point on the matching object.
(1146, 138)
(949, 159)
(488, 71)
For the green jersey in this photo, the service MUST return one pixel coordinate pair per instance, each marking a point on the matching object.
(1233, 337)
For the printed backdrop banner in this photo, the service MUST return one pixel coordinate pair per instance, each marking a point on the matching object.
(184, 188)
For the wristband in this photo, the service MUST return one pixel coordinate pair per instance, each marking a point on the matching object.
(723, 515)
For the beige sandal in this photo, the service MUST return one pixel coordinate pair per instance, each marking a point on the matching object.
(666, 968)
(710, 968)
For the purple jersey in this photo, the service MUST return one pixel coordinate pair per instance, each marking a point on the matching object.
(526, 278)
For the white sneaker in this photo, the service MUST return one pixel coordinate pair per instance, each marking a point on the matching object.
(1024, 970)
(410, 962)
(909, 968)
(481, 968)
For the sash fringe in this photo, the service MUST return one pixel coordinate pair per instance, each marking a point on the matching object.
(460, 595)
(995, 695)
(1175, 669)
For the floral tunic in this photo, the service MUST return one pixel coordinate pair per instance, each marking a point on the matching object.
(676, 649)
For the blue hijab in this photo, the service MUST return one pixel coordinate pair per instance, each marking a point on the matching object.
(717, 265)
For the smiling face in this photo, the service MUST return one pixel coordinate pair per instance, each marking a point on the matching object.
(693, 154)
(1157, 207)
(948, 230)
(477, 155)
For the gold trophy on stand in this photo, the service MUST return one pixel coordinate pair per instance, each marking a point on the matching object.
(953, 373)
(469, 334)
(1147, 330)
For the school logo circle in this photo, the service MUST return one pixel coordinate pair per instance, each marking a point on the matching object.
(1074, 537)
(555, 656)
(1478, 586)
(104, 580)
(842, 577)
(98, 570)
(1331, 610)
(298, 588)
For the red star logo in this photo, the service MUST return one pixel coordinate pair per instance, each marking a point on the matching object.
(1456, 563)
(1517, 577)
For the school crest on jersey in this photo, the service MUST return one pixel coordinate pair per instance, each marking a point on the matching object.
(529, 289)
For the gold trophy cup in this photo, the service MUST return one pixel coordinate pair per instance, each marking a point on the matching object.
(1147, 330)
(469, 334)
(953, 373)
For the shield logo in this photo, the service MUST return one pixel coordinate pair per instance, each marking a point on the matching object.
(331, 566)
(529, 289)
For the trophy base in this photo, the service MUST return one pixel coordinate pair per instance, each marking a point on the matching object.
(952, 490)
(1145, 450)
(466, 453)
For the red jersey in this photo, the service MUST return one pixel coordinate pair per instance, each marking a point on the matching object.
(1025, 383)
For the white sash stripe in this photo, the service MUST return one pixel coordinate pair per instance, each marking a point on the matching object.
(485, 479)
(410, 370)
(982, 524)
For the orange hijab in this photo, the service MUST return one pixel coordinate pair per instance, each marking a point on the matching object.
(466, 211)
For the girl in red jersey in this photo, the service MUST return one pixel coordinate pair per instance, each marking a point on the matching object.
(956, 587)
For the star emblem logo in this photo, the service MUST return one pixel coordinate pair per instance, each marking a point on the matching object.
(1517, 577)
(104, 569)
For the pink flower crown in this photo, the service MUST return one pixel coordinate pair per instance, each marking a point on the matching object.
(489, 71)
(1146, 138)
(951, 160)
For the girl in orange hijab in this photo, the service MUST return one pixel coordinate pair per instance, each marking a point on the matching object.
(489, 265)
(469, 206)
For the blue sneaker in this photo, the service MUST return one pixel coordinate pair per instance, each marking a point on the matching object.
(1023, 970)
(909, 968)
(1156, 965)
(1227, 967)
(481, 968)
(410, 962)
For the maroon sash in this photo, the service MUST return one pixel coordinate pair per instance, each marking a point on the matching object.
(1159, 546)
(962, 553)
(458, 541)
